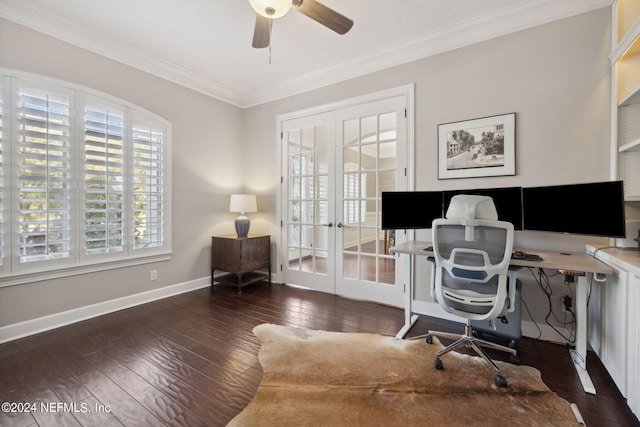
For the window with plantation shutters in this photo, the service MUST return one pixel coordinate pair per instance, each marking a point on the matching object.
(104, 172)
(148, 185)
(84, 180)
(44, 174)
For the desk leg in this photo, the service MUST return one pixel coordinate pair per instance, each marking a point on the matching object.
(409, 318)
(579, 355)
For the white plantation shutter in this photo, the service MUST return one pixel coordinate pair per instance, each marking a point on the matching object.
(104, 172)
(354, 190)
(148, 185)
(84, 181)
(44, 174)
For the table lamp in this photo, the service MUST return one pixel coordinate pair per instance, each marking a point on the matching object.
(243, 203)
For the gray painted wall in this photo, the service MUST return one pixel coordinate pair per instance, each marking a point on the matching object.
(555, 77)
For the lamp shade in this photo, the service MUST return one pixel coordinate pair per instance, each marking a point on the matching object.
(271, 8)
(243, 203)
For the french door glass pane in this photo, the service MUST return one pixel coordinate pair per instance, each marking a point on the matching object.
(308, 199)
(350, 262)
(369, 168)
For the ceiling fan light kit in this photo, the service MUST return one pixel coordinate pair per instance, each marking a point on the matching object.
(267, 10)
(271, 8)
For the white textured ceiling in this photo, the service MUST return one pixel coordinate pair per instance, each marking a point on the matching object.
(206, 44)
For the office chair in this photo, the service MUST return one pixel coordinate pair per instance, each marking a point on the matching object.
(472, 250)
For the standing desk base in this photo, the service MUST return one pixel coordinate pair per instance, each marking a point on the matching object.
(585, 379)
(407, 326)
(579, 355)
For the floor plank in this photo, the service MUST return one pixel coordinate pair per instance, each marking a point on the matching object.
(191, 360)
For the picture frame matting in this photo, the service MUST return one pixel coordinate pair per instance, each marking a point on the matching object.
(477, 148)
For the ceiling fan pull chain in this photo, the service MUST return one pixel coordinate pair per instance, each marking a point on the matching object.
(270, 28)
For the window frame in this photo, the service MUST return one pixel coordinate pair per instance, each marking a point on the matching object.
(12, 271)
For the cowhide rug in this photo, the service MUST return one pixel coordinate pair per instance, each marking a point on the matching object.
(318, 378)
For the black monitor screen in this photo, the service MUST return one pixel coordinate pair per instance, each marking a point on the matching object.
(594, 209)
(508, 202)
(410, 209)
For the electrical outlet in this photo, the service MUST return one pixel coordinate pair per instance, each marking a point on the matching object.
(153, 275)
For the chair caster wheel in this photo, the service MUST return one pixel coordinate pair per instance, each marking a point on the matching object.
(500, 381)
(515, 359)
(429, 339)
(438, 364)
(513, 344)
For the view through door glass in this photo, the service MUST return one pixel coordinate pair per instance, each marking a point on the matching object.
(369, 165)
(309, 232)
(369, 169)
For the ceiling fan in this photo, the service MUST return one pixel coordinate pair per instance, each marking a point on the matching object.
(268, 10)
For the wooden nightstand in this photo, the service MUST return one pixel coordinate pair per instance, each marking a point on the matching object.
(241, 257)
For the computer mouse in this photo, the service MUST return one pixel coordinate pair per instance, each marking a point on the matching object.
(518, 255)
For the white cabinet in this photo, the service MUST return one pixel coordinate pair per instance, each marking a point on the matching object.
(615, 313)
(633, 344)
(613, 329)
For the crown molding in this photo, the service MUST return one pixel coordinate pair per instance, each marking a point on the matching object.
(509, 20)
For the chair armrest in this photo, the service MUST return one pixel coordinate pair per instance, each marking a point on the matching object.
(511, 274)
(432, 281)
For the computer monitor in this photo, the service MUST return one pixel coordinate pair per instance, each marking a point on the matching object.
(410, 209)
(592, 209)
(508, 202)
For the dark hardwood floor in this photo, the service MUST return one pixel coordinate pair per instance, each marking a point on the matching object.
(190, 360)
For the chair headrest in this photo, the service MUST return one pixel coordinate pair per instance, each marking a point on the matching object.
(470, 207)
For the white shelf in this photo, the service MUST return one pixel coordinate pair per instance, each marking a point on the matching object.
(631, 99)
(631, 146)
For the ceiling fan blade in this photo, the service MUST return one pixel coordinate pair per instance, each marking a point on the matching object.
(322, 14)
(261, 32)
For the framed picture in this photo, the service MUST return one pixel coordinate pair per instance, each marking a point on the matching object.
(477, 148)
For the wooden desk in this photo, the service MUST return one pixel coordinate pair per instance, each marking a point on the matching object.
(579, 262)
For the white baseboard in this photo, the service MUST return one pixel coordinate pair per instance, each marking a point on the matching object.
(45, 323)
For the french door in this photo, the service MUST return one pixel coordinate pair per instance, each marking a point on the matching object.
(308, 144)
(372, 142)
(335, 166)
